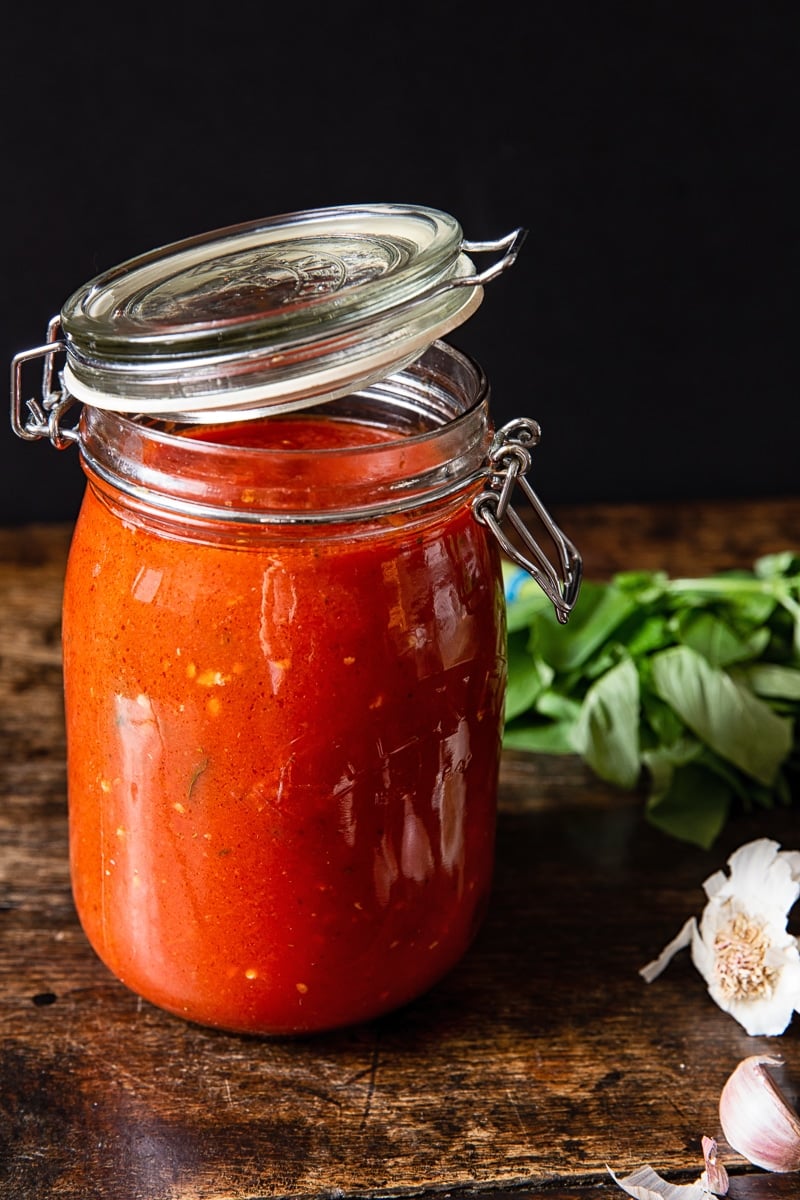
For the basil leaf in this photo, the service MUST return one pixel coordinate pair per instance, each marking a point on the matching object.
(601, 610)
(557, 706)
(663, 720)
(697, 680)
(777, 566)
(607, 730)
(747, 601)
(694, 806)
(527, 676)
(740, 785)
(549, 737)
(716, 641)
(723, 713)
(606, 657)
(649, 634)
(529, 602)
(645, 587)
(661, 761)
(774, 680)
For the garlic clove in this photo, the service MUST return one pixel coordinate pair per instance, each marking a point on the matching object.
(757, 1120)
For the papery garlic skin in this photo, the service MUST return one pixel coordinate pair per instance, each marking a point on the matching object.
(741, 946)
(714, 1177)
(647, 1184)
(757, 1120)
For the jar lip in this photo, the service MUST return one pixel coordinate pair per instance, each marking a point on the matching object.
(461, 360)
(438, 408)
(269, 315)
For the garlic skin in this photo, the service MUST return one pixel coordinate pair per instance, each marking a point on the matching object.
(714, 1177)
(646, 1184)
(756, 1118)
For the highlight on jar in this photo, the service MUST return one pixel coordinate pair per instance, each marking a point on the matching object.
(284, 614)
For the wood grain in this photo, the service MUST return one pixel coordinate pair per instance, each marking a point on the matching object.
(541, 1058)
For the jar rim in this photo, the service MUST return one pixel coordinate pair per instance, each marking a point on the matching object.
(438, 405)
(159, 427)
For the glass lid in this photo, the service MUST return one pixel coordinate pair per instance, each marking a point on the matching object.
(273, 314)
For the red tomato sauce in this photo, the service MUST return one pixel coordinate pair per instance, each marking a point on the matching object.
(283, 754)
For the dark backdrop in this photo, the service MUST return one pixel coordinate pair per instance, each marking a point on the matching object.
(650, 148)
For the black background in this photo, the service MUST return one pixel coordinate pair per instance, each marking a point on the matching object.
(650, 148)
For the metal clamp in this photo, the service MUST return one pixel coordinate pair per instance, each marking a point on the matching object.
(511, 245)
(509, 462)
(45, 415)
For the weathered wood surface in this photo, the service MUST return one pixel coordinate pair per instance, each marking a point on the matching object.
(540, 1059)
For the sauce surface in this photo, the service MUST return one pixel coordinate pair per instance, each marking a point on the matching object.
(283, 754)
(303, 432)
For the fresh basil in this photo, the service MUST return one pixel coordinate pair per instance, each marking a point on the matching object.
(724, 714)
(606, 731)
(689, 688)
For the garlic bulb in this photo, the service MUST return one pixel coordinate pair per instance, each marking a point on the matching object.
(741, 945)
(756, 1118)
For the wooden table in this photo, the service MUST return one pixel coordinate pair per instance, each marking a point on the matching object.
(541, 1058)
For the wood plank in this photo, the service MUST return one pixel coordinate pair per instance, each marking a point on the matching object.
(541, 1058)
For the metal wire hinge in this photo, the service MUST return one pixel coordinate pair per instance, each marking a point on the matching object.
(45, 415)
(510, 246)
(509, 462)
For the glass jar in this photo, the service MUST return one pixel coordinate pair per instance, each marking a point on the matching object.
(284, 645)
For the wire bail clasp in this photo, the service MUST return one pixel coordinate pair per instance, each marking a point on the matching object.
(44, 415)
(508, 246)
(509, 461)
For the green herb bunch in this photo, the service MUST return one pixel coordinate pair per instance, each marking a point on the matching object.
(689, 688)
